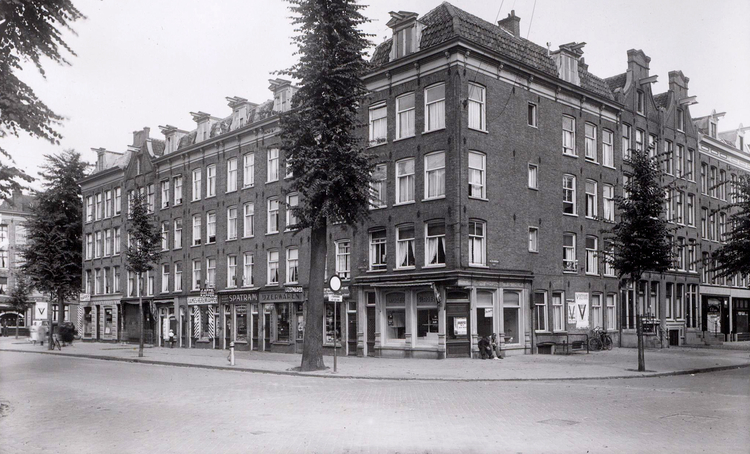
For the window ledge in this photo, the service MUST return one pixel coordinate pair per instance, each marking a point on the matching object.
(433, 130)
(403, 268)
(404, 138)
(570, 214)
(484, 199)
(441, 265)
(404, 203)
(570, 155)
(484, 131)
(478, 265)
(441, 197)
(378, 144)
(377, 271)
(272, 233)
(229, 240)
(250, 186)
(230, 192)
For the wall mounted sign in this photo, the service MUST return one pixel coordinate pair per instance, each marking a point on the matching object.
(582, 310)
(459, 326)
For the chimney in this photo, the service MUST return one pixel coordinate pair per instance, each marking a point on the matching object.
(139, 137)
(512, 24)
(678, 83)
(638, 64)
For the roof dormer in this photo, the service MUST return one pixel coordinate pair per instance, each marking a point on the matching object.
(204, 122)
(240, 110)
(405, 33)
(282, 94)
(566, 59)
(172, 136)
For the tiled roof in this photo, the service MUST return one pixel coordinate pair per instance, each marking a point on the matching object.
(157, 146)
(662, 99)
(18, 203)
(617, 81)
(447, 22)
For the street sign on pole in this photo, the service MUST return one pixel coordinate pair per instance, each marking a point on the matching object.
(334, 283)
(335, 298)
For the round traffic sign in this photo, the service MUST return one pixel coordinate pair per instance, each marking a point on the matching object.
(334, 283)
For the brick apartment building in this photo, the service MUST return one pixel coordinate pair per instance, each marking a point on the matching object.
(473, 130)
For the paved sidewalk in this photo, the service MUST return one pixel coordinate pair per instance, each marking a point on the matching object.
(617, 363)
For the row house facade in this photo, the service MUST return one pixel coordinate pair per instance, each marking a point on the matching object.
(496, 167)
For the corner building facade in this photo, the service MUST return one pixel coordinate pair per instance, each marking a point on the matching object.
(497, 163)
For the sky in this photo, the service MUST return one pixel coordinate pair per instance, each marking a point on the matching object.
(152, 62)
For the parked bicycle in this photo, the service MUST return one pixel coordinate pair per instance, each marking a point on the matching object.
(600, 340)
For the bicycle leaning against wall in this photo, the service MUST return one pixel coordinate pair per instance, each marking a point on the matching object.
(600, 340)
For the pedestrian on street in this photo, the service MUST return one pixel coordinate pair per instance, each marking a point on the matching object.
(493, 346)
(484, 347)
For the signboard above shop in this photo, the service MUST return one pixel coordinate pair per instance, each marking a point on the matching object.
(283, 296)
(239, 298)
(207, 297)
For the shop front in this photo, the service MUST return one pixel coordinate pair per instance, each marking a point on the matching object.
(280, 324)
(166, 326)
(204, 330)
(238, 318)
(98, 319)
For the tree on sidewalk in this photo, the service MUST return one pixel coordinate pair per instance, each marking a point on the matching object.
(639, 239)
(19, 297)
(733, 257)
(144, 250)
(330, 169)
(29, 31)
(53, 259)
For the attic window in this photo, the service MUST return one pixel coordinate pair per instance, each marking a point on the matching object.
(568, 68)
(680, 119)
(404, 41)
(641, 102)
(713, 130)
(742, 143)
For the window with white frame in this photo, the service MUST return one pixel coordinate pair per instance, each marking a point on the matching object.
(477, 107)
(247, 269)
(89, 208)
(611, 312)
(151, 198)
(292, 200)
(248, 170)
(653, 146)
(626, 135)
(343, 257)
(273, 268)
(722, 189)
(178, 276)
(405, 116)
(116, 279)
(704, 178)
(99, 205)
(196, 185)
(273, 165)
(608, 205)
(639, 137)
(378, 124)
(378, 186)
(231, 271)
(434, 170)
(108, 204)
(292, 265)
(164, 235)
(531, 118)
(668, 157)
(178, 233)
(680, 119)
(569, 135)
(477, 243)
(640, 102)
(592, 255)
(597, 318)
(211, 180)
(609, 250)
(116, 241)
(591, 199)
(231, 174)
(608, 148)
(434, 244)
(378, 255)
(533, 176)
(197, 229)
(690, 210)
(590, 136)
(678, 161)
(405, 246)
(434, 107)
(248, 220)
(177, 186)
(690, 164)
(570, 264)
(692, 264)
(477, 165)
(164, 194)
(232, 223)
(558, 312)
(89, 246)
(165, 277)
(679, 207)
(569, 194)
(211, 272)
(533, 239)
(681, 254)
(273, 216)
(107, 241)
(668, 201)
(99, 244)
(118, 201)
(211, 227)
(540, 311)
(405, 181)
(196, 274)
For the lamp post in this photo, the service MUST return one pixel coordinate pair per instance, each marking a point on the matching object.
(334, 284)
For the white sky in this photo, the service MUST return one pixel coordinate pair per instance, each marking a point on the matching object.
(151, 62)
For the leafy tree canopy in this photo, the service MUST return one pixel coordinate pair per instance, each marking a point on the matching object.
(734, 256)
(145, 238)
(29, 31)
(53, 249)
(640, 237)
(330, 170)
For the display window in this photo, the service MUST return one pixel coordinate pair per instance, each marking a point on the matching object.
(332, 327)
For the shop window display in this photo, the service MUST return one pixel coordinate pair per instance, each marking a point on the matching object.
(330, 327)
(511, 315)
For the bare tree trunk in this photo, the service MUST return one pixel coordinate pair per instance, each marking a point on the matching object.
(140, 318)
(639, 327)
(50, 345)
(17, 324)
(312, 347)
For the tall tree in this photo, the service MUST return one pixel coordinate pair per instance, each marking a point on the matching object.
(53, 249)
(19, 297)
(29, 30)
(330, 169)
(734, 256)
(144, 250)
(639, 238)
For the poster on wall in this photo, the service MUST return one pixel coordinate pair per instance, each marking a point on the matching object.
(488, 312)
(40, 311)
(571, 311)
(459, 326)
(582, 310)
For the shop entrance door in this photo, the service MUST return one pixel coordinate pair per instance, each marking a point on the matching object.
(266, 332)
(370, 331)
(227, 327)
(674, 337)
(458, 340)
(256, 327)
(352, 334)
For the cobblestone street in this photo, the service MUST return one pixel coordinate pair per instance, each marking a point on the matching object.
(77, 405)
